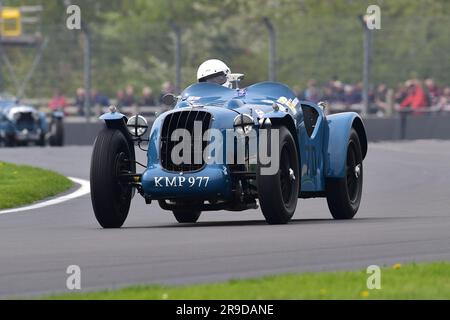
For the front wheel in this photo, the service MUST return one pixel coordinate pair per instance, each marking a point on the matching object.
(344, 194)
(42, 141)
(278, 193)
(10, 141)
(110, 198)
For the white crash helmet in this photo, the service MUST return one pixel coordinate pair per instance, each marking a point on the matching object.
(214, 71)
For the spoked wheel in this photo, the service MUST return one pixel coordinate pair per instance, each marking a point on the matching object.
(287, 176)
(110, 197)
(354, 177)
(344, 194)
(278, 193)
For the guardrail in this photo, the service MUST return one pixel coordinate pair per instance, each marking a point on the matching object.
(410, 125)
(72, 112)
(404, 126)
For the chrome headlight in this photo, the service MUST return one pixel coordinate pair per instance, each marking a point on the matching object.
(137, 125)
(243, 124)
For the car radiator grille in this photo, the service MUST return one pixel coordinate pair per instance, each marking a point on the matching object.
(184, 120)
(25, 120)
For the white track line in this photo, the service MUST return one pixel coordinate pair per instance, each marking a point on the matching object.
(81, 191)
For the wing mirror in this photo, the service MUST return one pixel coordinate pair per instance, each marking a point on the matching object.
(323, 105)
(169, 99)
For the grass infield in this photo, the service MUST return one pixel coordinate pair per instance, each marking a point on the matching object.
(412, 281)
(21, 185)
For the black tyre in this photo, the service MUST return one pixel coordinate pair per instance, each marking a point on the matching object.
(110, 198)
(22, 143)
(278, 193)
(10, 141)
(42, 141)
(186, 216)
(344, 194)
(57, 133)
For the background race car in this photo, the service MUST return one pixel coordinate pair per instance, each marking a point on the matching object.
(23, 124)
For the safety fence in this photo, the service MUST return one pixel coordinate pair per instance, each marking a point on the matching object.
(406, 126)
(150, 54)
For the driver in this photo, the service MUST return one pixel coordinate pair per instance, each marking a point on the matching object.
(214, 71)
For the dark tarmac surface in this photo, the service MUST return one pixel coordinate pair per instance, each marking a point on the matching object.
(404, 217)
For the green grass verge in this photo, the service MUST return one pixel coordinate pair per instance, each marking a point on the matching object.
(21, 185)
(412, 281)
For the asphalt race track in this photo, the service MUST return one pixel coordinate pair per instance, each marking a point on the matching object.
(404, 216)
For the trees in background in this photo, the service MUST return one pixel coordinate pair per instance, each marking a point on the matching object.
(133, 41)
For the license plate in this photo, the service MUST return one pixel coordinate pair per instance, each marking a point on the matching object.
(180, 181)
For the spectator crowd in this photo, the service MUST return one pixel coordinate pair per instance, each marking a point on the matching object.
(414, 94)
(124, 98)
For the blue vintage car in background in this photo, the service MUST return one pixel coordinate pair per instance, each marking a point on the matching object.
(319, 156)
(22, 124)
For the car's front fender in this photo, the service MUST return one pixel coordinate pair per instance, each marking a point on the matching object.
(7, 126)
(58, 114)
(118, 121)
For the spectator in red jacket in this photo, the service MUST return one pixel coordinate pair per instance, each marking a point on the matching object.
(416, 98)
(58, 101)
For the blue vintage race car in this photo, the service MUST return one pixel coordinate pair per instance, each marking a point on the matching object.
(299, 152)
(21, 124)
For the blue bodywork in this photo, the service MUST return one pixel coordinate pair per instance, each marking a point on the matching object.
(22, 123)
(321, 140)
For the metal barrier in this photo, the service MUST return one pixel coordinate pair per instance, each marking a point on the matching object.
(404, 126)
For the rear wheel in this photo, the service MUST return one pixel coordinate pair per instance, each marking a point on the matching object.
(186, 216)
(344, 194)
(57, 133)
(278, 193)
(110, 198)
